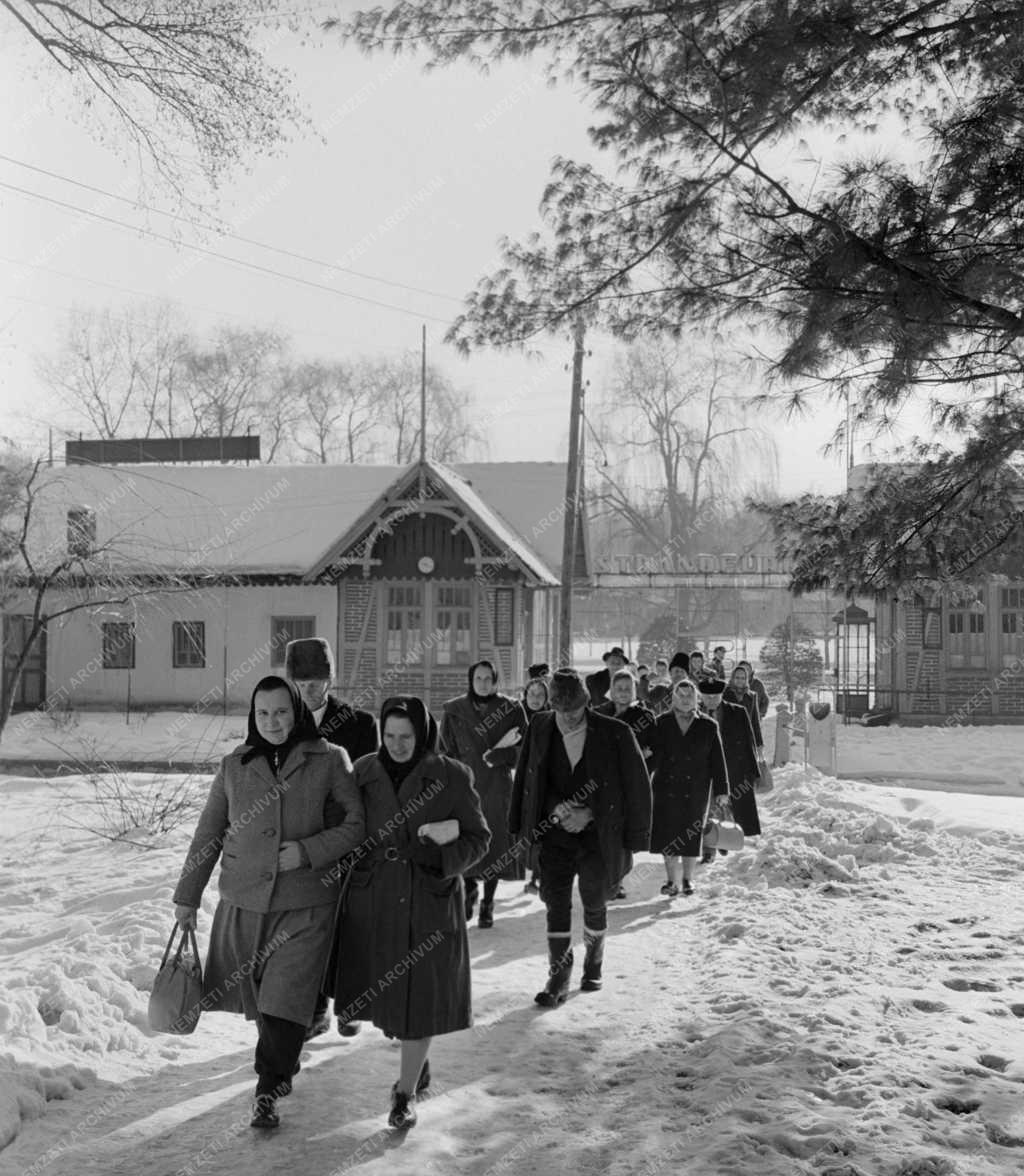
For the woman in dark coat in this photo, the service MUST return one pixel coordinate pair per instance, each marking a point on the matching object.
(536, 698)
(622, 705)
(739, 691)
(484, 729)
(269, 818)
(687, 769)
(757, 688)
(402, 957)
(740, 753)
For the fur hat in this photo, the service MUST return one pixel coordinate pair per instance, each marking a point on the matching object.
(309, 657)
(567, 691)
(711, 685)
(615, 651)
(680, 659)
(539, 670)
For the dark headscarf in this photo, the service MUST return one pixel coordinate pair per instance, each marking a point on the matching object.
(413, 709)
(304, 726)
(487, 665)
(547, 696)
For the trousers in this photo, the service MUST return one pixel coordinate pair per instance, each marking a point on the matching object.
(564, 858)
(277, 1054)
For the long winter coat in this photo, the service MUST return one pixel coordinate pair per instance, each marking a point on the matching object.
(686, 770)
(468, 729)
(401, 949)
(272, 931)
(741, 763)
(748, 700)
(637, 717)
(354, 730)
(619, 796)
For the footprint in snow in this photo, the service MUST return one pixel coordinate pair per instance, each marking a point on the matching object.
(1017, 1010)
(930, 1006)
(993, 1062)
(960, 985)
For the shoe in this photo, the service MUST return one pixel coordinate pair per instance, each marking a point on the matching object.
(687, 887)
(532, 887)
(724, 852)
(670, 890)
(486, 918)
(264, 1112)
(321, 1023)
(403, 1109)
(349, 1028)
(556, 991)
(707, 857)
(620, 893)
(593, 961)
(424, 1079)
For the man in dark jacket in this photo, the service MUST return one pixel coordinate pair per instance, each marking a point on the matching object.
(309, 663)
(600, 682)
(583, 794)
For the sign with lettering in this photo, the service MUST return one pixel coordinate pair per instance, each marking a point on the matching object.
(673, 563)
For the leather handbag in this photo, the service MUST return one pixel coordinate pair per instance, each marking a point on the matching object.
(176, 1000)
(764, 782)
(722, 835)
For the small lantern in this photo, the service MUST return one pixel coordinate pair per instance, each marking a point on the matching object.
(853, 661)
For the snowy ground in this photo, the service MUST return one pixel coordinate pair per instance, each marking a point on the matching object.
(844, 998)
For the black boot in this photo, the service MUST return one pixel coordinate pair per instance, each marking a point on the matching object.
(424, 1079)
(592, 961)
(264, 1112)
(472, 889)
(403, 1109)
(556, 990)
(487, 903)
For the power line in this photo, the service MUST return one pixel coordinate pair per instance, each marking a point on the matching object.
(225, 233)
(252, 265)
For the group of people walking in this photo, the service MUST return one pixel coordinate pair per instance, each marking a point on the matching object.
(350, 866)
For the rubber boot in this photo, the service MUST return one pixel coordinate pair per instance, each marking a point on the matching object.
(556, 990)
(593, 941)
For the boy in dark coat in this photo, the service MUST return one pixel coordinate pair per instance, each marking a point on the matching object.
(582, 791)
(309, 665)
(599, 683)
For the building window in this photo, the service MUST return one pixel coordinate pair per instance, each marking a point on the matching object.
(504, 600)
(189, 641)
(285, 629)
(453, 626)
(1011, 625)
(966, 628)
(118, 645)
(81, 536)
(404, 642)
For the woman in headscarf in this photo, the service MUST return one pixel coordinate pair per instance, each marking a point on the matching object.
(484, 729)
(739, 691)
(402, 948)
(282, 809)
(687, 771)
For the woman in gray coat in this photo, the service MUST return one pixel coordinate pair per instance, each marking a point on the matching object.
(266, 820)
(402, 950)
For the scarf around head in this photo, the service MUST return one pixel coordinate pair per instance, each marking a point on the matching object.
(480, 699)
(304, 726)
(423, 724)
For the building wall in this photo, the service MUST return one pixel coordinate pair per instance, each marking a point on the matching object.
(239, 650)
(952, 663)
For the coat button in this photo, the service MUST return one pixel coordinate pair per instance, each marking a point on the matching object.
(269, 832)
(268, 876)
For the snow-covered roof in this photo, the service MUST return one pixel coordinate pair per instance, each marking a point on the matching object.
(280, 520)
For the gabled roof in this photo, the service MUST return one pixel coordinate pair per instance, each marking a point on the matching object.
(282, 520)
(454, 488)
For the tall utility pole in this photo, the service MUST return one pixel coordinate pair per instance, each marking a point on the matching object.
(423, 413)
(572, 495)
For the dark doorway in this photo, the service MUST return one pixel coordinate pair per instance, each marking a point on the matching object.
(30, 691)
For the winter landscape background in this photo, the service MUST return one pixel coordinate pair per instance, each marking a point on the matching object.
(844, 996)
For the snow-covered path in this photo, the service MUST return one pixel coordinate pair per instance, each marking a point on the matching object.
(847, 998)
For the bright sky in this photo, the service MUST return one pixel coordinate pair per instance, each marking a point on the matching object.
(416, 179)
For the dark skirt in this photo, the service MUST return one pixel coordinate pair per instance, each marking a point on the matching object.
(267, 963)
(744, 807)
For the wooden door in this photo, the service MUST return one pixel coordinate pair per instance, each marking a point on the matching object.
(30, 690)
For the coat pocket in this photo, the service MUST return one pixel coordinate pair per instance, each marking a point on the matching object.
(437, 902)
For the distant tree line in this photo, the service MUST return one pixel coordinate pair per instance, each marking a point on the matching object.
(145, 372)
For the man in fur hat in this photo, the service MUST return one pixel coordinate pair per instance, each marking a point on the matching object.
(309, 663)
(582, 793)
(599, 683)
